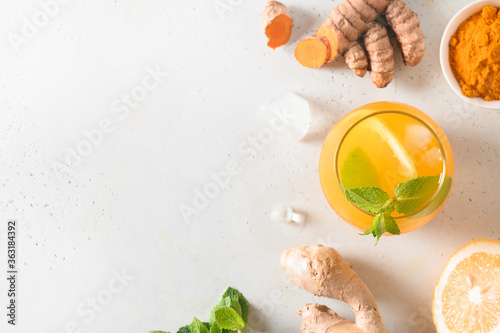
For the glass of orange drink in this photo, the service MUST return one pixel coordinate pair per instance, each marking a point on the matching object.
(387, 145)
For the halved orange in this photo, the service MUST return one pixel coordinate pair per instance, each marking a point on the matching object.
(467, 295)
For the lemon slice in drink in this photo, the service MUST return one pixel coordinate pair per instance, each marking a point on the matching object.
(386, 150)
(467, 295)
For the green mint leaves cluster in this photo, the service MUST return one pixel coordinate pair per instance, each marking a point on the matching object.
(229, 315)
(408, 197)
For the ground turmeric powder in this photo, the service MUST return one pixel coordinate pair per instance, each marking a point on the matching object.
(475, 54)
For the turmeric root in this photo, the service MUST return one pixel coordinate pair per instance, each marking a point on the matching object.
(345, 24)
(355, 58)
(351, 21)
(277, 24)
(381, 55)
(323, 272)
(312, 51)
(405, 24)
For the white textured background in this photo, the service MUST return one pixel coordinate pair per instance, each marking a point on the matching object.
(116, 211)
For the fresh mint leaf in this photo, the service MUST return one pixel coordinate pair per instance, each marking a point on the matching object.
(225, 302)
(438, 200)
(389, 225)
(235, 294)
(371, 199)
(414, 193)
(198, 327)
(215, 328)
(236, 306)
(233, 316)
(379, 227)
(228, 318)
(376, 227)
(383, 222)
(358, 170)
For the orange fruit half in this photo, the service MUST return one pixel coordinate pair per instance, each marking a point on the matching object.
(467, 295)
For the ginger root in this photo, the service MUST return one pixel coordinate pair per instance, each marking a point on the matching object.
(277, 24)
(323, 272)
(352, 21)
(320, 318)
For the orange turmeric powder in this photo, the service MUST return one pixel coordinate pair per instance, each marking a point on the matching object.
(475, 54)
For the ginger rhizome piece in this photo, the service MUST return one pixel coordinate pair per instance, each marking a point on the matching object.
(320, 318)
(352, 21)
(323, 272)
(277, 24)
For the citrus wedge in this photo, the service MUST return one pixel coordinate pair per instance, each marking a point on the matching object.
(467, 295)
(386, 150)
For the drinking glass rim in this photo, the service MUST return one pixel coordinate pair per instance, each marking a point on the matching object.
(442, 176)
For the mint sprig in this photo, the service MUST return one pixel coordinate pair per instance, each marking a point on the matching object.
(230, 314)
(408, 197)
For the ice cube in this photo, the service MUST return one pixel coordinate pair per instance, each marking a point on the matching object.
(292, 116)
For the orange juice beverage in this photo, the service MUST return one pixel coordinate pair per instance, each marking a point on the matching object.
(385, 162)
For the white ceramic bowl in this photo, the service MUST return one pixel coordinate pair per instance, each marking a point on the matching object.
(452, 27)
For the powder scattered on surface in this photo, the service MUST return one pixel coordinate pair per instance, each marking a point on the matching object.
(475, 54)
